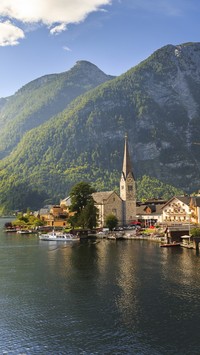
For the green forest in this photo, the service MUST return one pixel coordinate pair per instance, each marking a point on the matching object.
(65, 128)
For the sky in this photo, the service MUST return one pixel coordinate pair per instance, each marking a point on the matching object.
(39, 37)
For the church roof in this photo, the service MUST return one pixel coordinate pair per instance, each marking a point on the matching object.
(127, 166)
(99, 197)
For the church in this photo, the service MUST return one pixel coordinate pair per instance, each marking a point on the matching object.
(123, 206)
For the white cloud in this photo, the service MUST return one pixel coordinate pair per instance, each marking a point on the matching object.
(10, 34)
(67, 49)
(56, 14)
(50, 11)
(58, 29)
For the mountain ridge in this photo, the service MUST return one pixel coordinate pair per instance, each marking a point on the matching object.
(42, 98)
(157, 103)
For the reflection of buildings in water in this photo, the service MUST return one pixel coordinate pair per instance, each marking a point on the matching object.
(104, 249)
(179, 270)
(59, 258)
(117, 268)
(128, 282)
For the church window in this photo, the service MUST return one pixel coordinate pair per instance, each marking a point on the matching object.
(114, 211)
(122, 187)
(130, 188)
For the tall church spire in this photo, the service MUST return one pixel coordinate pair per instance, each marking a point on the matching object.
(127, 188)
(127, 166)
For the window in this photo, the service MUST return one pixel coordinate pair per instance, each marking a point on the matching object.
(130, 188)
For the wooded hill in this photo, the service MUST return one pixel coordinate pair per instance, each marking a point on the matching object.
(50, 141)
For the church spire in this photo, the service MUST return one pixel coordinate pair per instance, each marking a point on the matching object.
(127, 187)
(127, 166)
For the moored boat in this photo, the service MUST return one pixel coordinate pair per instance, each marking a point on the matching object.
(10, 230)
(64, 237)
(169, 245)
(26, 231)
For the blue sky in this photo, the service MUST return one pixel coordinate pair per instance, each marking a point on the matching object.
(39, 37)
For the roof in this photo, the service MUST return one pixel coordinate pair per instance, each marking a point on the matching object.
(150, 201)
(44, 211)
(142, 210)
(184, 199)
(66, 201)
(127, 166)
(99, 197)
(195, 201)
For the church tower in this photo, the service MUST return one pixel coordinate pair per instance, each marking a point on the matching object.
(127, 187)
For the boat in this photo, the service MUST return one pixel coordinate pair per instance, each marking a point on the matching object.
(11, 230)
(64, 237)
(112, 237)
(26, 231)
(169, 245)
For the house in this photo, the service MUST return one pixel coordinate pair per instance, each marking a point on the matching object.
(54, 216)
(177, 210)
(150, 212)
(195, 209)
(66, 203)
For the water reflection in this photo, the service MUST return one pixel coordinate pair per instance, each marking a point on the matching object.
(104, 297)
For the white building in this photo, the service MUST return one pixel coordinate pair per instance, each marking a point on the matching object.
(177, 210)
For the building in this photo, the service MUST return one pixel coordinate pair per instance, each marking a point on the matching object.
(108, 202)
(127, 187)
(195, 209)
(123, 206)
(177, 210)
(150, 212)
(54, 216)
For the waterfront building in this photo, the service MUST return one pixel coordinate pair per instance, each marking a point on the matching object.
(177, 210)
(54, 216)
(150, 212)
(195, 209)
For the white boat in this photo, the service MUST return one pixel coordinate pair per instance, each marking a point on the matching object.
(26, 231)
(111, 236)
(63, 237)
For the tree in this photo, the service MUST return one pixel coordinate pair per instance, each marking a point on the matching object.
(111, 221)
(195, 232)
(81, 195)
(89, 215)
(83, 204)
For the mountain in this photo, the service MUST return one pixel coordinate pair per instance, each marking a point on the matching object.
(156, 102)
(36, 102)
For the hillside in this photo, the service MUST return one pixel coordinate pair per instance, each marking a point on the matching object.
(39, 100)
(156, 102)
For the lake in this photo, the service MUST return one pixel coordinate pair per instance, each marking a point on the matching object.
(97, 297)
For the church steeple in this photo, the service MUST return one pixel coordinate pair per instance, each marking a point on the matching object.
(127, 166)
(127, 187)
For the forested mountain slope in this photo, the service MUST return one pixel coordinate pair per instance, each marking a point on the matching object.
(43, 98)
(156, 102)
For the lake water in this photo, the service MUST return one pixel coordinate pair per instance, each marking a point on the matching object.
(105, 297)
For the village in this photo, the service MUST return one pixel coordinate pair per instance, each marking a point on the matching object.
(155, 219)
